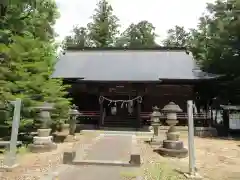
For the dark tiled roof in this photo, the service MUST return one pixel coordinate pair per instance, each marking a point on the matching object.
(127, 65)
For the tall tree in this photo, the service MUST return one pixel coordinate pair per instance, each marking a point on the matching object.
(141, 34)
(79, 38)
(176, 37)
(29, 54)
(216, 43)
(104, 26)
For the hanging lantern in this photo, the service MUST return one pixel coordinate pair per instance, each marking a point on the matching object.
(130, 107)
(114, 109)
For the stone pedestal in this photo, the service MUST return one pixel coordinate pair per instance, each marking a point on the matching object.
(42, 144)
(172, 146)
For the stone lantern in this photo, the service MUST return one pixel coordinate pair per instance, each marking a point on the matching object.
(74, 113)
(43, 142)
(172, 146)
(155, 119)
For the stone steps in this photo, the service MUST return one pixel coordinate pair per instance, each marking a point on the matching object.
(120, 122)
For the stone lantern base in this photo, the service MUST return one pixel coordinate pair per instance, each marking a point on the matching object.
(172, 146)
(42, 144)
(173, 149)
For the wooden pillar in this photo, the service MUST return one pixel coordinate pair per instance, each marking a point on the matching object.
(100, 121)
(139, 124)
(138, 119)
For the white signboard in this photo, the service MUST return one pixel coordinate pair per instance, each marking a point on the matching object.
(234, 120)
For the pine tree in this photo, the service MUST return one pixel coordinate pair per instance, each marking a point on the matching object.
(104, 26)
(29, 57)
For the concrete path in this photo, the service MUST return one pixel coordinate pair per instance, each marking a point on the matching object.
(111, 148)
(97, 173)
(106, 147)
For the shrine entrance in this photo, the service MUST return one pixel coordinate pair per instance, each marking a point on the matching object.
(112, 104)
(120, 109)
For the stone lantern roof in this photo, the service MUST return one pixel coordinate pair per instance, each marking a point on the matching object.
(172, 107)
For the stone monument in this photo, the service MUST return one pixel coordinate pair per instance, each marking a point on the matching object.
(72, 124)
(155, 122)
(172, 146)
(43, 142)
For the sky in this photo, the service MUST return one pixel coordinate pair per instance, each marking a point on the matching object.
(163, 14)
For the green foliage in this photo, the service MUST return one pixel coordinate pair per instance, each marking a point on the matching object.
(80, 38)
(141, 34)
(177, 37)
(216, 41)
(216, 46)
(28, 59)
(103, 31)
(104, 26)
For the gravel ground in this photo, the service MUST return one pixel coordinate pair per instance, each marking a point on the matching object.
(154, 166)
(34, 166)
(215, 159)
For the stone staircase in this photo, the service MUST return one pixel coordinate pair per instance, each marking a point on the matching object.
(112, 121)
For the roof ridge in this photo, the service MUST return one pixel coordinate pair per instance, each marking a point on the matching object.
(77, 48)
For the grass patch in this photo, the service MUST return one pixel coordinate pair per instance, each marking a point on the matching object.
(162, 171)
(21, 150)
(130, 174)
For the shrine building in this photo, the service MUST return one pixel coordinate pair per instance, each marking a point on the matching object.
(116, 87)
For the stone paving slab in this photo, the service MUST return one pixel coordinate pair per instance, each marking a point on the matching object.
(110, 148)
(82, 149)
(96, 173)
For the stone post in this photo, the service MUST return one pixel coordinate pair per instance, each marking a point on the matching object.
(43, 142)
(155, 122)
(172, 146)
(10, 159)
